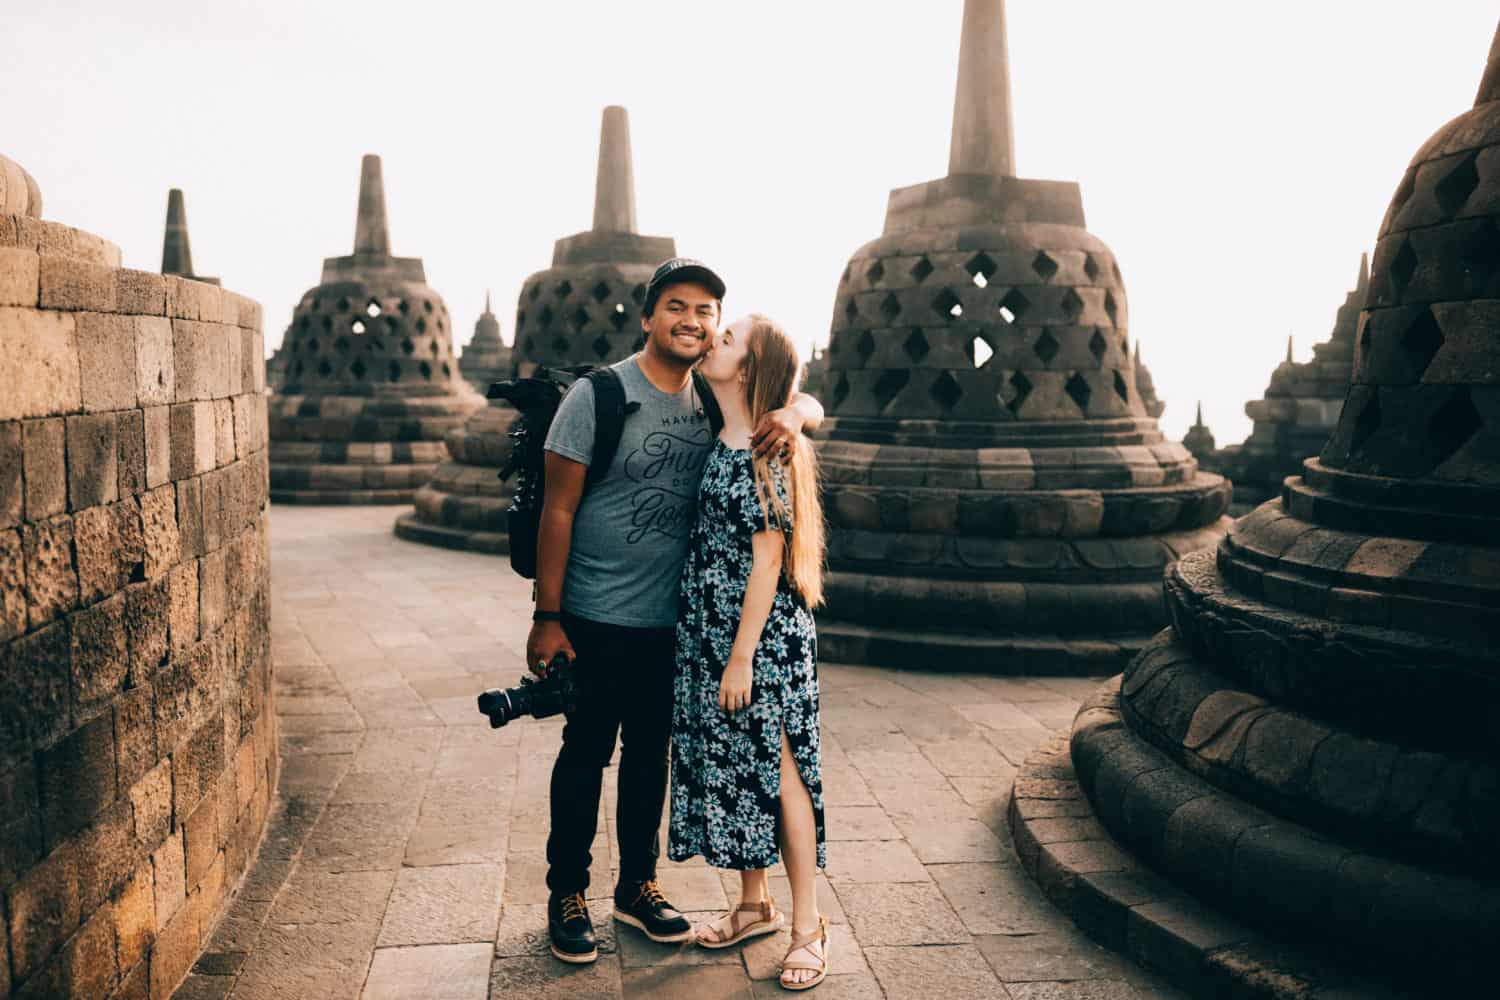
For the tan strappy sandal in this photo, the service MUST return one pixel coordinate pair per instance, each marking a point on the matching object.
(769, 922)
(820, 966)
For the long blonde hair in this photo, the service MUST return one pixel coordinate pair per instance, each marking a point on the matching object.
(770, 381)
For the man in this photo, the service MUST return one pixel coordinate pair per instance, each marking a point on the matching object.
(608, 566)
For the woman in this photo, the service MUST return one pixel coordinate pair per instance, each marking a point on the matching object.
(746, 775)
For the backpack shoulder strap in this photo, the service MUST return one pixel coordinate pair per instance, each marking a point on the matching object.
(709, 402)
(609, 420)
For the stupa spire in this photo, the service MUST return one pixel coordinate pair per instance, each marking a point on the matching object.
(1489, 84)
(614, 189)
(370, 233)
(982, 140)
(1363, 284)
(1198, 422)
(176, 253)
(486, 300)
(1289, 348)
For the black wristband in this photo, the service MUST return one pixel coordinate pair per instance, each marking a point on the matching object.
(546, 616)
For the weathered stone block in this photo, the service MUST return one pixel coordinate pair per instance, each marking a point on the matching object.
(34, 685)
(196, 766)
(38, 364)
(187, 694)
(20, 823)
(213, 598)
(183, 590)
(151, 801)
(19, 277)
(106, 356)
(148, 607)
(158, 431)
(190, 517)
(93, 457)
(101, 658)
(135, 917)
(43, 910)
(77, 778)
(205, 440)
(77, 285)
(213, 511)
(187, 299)
(96, 540)
(200, 835)
(12, 586)
(51, 582)
(169, 877)
(223, 432)
(46, 467)
(161, 539)
(177, 945)
(130, 435)
(155, 364)
(135, 735)
(140, 293)
(12, 488)
(244, 416)
(107, 854)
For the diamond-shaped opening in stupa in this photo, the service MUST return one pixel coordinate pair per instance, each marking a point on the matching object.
(1122, 388)
(358, 368)
(947, 304)
(865, 345)
(341, 345)
(980, 281)
(544, 318)
(1046, 347)
(409, 347)
(357, 327)
(1480, 253)
(1403, 266)
(981, 266)
(1421, 341)
(891, 382)
(560, 346)
(1112, 308)
(639, 294)
(421, 324)
(1020, 389)
(372, 309)
(875, 272)
(1366, 424)
(1455, 422)
(915, 345)
(343, 303)
(580, 317)
(1091, 267)
(536, 290)
(1013, 306)
(980, 351)
(1071, 304)
(890, 306)
(618, 319)
(946, 390)
(1456, 186)
(564, 289)
(1078, 389)
(426, 370)
(850, 310)
(841, 389)
(1098, 345)
(601, 346)
(1044, 265)
(601, 291)
(324, 368)
(393, 371)
(921, 270)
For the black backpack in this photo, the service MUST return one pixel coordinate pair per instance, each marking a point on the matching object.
(537, 398)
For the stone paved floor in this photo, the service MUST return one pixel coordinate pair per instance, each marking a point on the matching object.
(405, 855)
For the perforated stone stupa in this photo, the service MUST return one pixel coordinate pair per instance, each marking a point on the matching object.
(486, 358)
(370, 383)
(1299, 410)
(584, 309)
(1310, 748)
(138, 743)
(998, 494)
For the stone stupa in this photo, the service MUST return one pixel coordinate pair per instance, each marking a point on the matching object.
(1309, 750)
(176, 250)
(1146, 386)
(486, 358)
(584, 309)
(369, 381)
(998, 495)
(1300, 408)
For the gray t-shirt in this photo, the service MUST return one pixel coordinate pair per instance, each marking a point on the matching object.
(630, 534)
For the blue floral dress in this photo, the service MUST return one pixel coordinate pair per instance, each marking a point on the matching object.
(726, 767)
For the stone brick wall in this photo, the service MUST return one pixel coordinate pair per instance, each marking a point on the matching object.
(137, 741)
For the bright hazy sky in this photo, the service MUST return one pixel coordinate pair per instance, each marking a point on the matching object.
(1236, 157)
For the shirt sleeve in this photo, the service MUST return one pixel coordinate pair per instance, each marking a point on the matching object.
(572, 431)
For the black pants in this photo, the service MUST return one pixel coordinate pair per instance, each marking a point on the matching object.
(624, 678)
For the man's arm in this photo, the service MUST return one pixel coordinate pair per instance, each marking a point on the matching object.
(779, 427)
(565, 481)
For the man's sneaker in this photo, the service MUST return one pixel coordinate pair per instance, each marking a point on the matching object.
(571, 930)
(642, 905)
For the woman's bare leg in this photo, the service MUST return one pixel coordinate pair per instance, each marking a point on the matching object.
(799, 850)
(754, 887)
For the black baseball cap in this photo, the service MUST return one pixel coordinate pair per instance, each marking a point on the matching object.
(677, 270)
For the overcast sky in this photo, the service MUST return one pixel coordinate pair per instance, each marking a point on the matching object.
(1236, 157)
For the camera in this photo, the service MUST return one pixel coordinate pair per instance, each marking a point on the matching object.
(538, 698)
